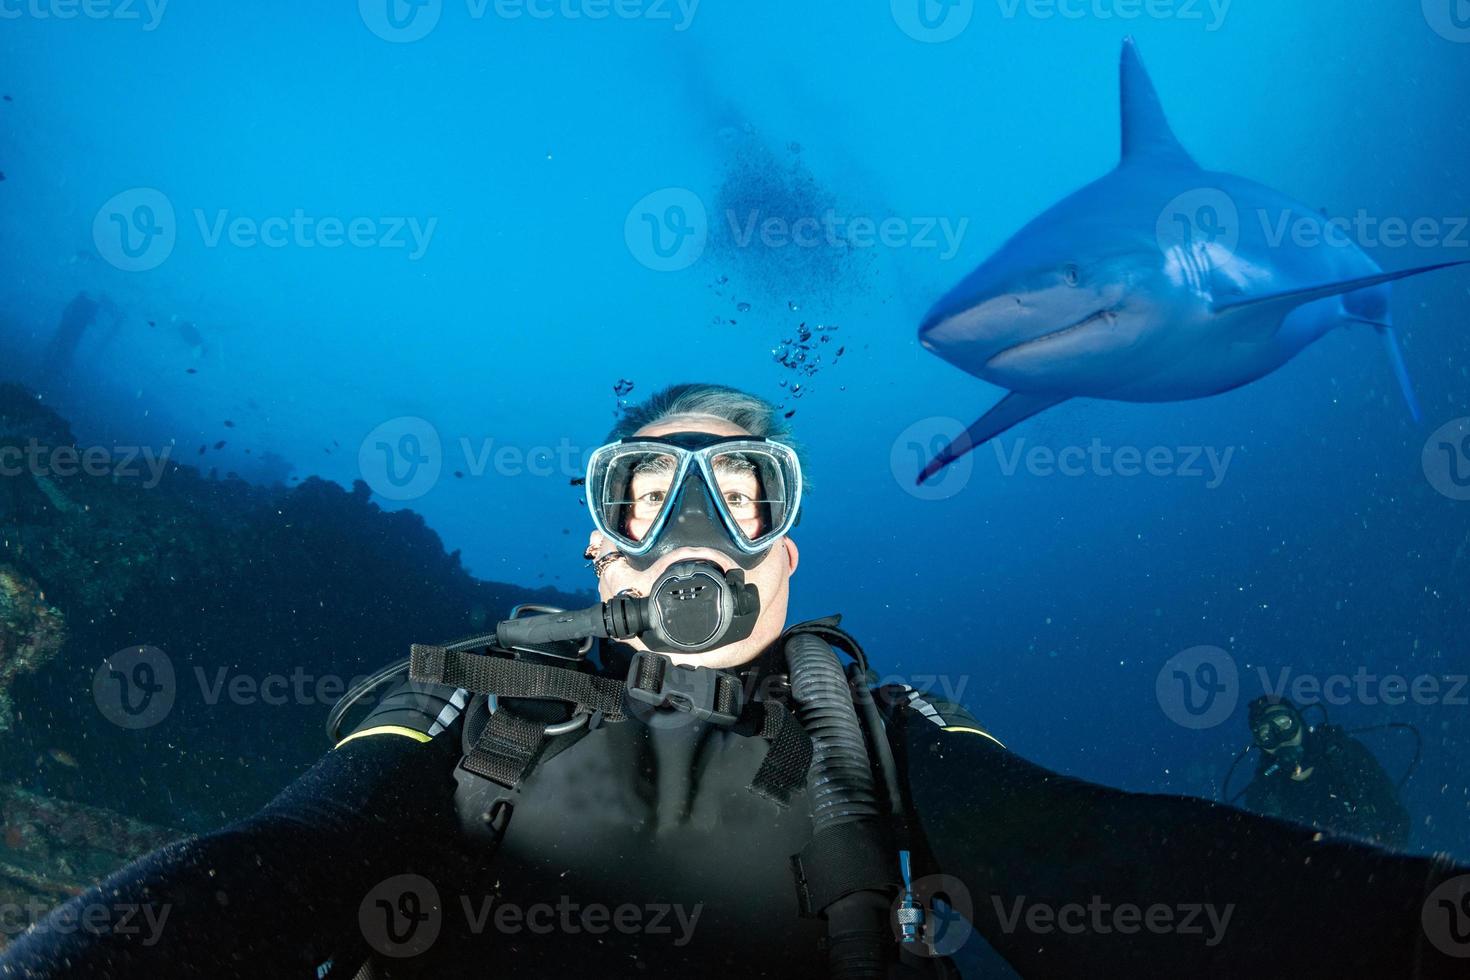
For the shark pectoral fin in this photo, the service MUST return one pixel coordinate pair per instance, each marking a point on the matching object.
(1013, 409)
(1293, 298)
(1400, 369)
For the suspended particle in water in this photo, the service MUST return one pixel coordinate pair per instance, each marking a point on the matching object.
(742, 308)
(792, 306)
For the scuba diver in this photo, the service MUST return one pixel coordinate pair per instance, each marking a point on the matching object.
(1321, 777)
(676, 782)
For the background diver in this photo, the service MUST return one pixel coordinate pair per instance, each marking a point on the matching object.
(1321, 777)
(682, 761)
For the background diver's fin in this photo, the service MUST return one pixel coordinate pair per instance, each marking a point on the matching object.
(1293, 298)
(1014, 408)
(1400, 369)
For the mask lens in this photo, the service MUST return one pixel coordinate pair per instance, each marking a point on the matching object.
(757, 488)
(632, 488)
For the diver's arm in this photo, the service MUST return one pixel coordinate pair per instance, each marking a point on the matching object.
(274, 895)
(1067, 878)
(1377, 812)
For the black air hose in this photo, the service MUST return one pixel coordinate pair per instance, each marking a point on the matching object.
(842, 790)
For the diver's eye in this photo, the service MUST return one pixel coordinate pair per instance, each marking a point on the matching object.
(1072, 274)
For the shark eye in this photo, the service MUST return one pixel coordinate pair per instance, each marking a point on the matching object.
(1072, 274)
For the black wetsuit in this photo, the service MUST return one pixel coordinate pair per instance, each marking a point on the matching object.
(638, 819)
(1347, 792)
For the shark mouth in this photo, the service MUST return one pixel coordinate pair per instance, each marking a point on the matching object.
(1108, 316)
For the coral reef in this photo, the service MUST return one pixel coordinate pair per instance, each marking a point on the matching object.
(31, 633)
(266, 601)
(51, 850)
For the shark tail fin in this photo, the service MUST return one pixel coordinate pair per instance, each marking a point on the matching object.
(1293, 298)
(1400, 369)
(1011, 410)
(1146, 130)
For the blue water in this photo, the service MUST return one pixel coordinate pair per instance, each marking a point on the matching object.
(521, 145)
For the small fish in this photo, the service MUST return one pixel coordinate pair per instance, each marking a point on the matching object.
(791, 413)
(9, 99)
(220, 444)
(63, 757)
(229, 424)
(577, 481)
(191, 370)
(202, 449)
(458, 475)
(151, 323)
(2, 175)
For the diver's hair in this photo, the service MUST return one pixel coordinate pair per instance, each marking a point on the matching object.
(751, 412)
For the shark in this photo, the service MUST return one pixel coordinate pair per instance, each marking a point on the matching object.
(1160, 281)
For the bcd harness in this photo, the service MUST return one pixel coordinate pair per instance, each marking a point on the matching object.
(852, 868)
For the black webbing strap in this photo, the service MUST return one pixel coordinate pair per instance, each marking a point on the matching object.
(507, 749)
(841, 860)
(784, 769)
(506, 678)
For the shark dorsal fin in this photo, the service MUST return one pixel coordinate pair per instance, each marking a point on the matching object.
(1146, 131)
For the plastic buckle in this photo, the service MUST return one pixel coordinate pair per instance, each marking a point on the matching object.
(694, 690)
